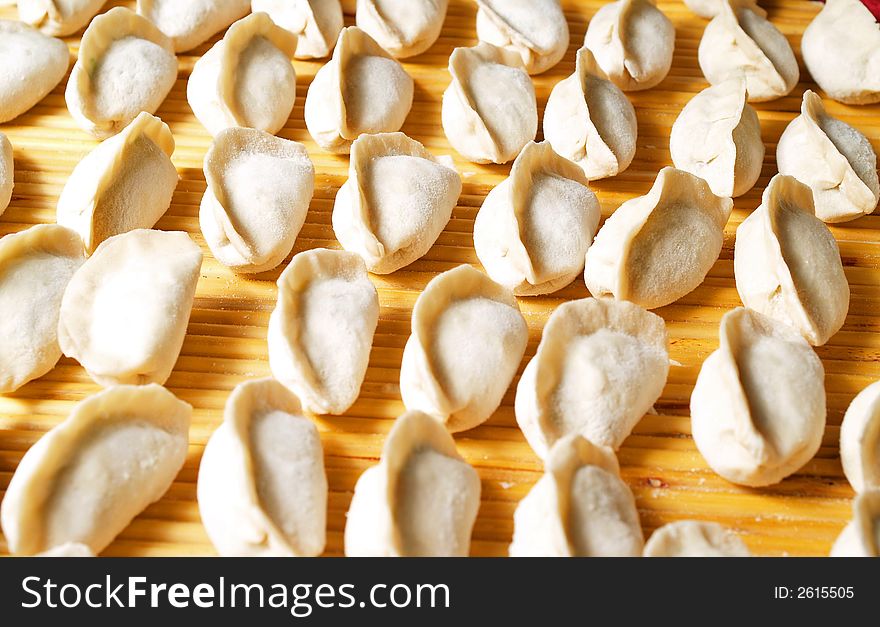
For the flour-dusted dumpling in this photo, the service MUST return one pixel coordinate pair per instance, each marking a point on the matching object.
(316, 23)
(125, 311)
(191, 22)
(787, 264)
(692, 538)
(861, 536)
(740, 42)
(468, 337)
(362, 89)
(489, 110)
(246, 78)
(69, 549)
(711, 8)
(579, 508)
(833, 158)
(421, 500)
(758, 406)
(404, 28)
(599, 368)
(717, 136)
(396, 202)
(125, 65)
(321, 330)
(633, 42)
(262, 489)
(860, 440)
(58, 17)
(841, 49)
(535, 227)
(258, 194)
(534, 29)
(7, 176)
(31, 65)
(656, 248)
(87, 478)
(589, 120)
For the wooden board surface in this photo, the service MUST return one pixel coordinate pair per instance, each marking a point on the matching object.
(226, 339)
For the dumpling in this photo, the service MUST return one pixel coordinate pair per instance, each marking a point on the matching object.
(125, 183)
(191, 22)
(590, 121)
(693, 538)
(580, 507)
(362, 89)
(599, 368)
(321, 330)
(787, 264)
(7, 170)
(711, 8)
(834, 159)
(420, 501)
(758, 406)
(841, 49)
(404, 28)
(534, 29)
(860, 440)
(246, 78)
(125, 311)
(861, 536)
(633, 42)
(58, 17)
(316, 23)
(468, 338)
(35, 268)
(69, 549)
(717, 136)
(86, 479)
(489, 110)
(396, 202)
(258, 192)
(125, 65)
(741, 42)
(656, 248)
(33, 64)
(262, 490)
(535, 227)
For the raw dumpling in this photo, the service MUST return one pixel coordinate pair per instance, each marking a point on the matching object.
(33, 64)
(717, 136)
(692, 538)
(246, 78)
(489, 110)
(125, 311)
(590, 121)
(579, 508)
(420, 501)
(58, 17)
(404, 28)
(191, 22)
(860, 440)
(69, 549)
(125, 183)
(656, 248)
(258, 194)
(758, 406)
(262, 489)
(535, 227)
(316, 23)
(711, 8)
(787, 264)
(841, 49)
(834, 159)
(321, 330)
(861, 537)
(740, 42)
(599, 368)
(534, 29)
(633, 42)
(362, 89)
(88, 477)
(396, 202)
(468, 337)
(7, 176)
(125, 65)
(35, 268)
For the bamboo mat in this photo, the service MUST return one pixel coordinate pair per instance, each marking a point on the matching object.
(226, 340)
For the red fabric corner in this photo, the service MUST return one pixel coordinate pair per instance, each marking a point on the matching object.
(873, 7)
